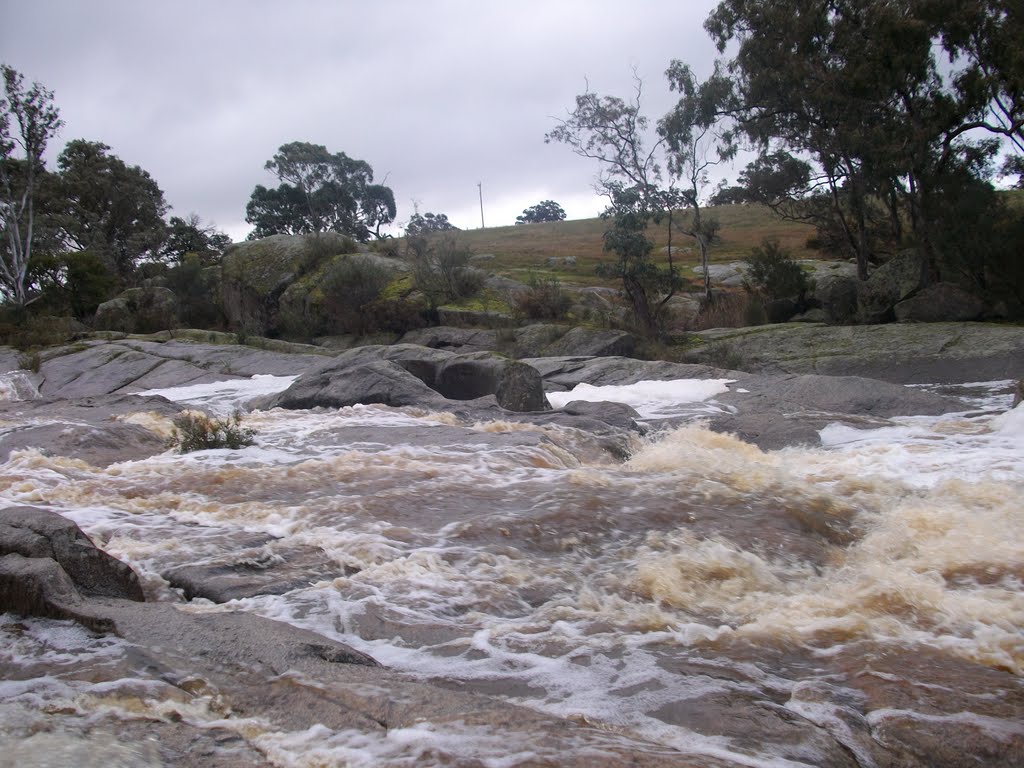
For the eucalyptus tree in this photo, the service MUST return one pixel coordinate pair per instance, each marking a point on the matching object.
(319, 192)
(28, 120)
(856, 90)
(640, 173)
(109, 208)
(544, 211)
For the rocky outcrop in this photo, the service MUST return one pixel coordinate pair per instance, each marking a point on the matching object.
(255, 274)
(770, 411)
(939, 302)
(139, 310)
(410, 375)
(535, 340)
(131, 365)
(39, 533)
(340, 384)
(904, 353)
(774, 412)
(887, 286)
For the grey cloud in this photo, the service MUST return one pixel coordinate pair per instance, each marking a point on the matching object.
(436, 96)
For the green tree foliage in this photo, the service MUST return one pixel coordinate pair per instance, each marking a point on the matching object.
(545, 210)
(319, 192)
(773, 273)
(190, 236)
(646, 285)
(650, 183)
(859, 90)
(28, 120)
(109, 208)
(428, 224)
(543, 299)
(613, 132)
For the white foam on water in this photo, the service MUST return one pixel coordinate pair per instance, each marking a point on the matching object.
(223, 397)
(651, 399)
(18, 385)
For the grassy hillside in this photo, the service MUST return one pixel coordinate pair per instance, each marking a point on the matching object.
(519, 251)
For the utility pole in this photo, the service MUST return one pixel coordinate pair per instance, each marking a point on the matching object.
(480, 188)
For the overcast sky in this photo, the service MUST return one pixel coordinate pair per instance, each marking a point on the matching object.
(436, 96)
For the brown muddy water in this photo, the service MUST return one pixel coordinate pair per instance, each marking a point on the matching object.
(857, 604)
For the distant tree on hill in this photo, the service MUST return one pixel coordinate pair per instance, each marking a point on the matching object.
(428, 223)
(319, 192)
(726, 195)
(546, 210)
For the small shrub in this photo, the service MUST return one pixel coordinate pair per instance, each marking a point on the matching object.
(774, 274)
(728, 310)
(543, 299)
(198, 432)
(723, 355)
(441, 270)
(30, 361)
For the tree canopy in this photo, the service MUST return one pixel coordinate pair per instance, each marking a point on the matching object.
(545, 210)
(319, 192)
(108, 207)
(852, 105)
(28, 120)
(428, 223)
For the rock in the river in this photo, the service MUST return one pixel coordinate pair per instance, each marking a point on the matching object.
(777, 411)
(340, 385)
(410, 375)
(39, 533)
(49, 568)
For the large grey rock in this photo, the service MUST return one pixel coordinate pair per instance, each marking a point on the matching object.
(836, 295)
(520, 388)
(453, 339)
(888, 285)
(255, 565)
(564, 373)
(774, 412)
(100, 444)
(341, 385)
(133, 365)
(139, 310)
(38, 586)
(407, 374)
(592, 341)
(39, 533)
(255, 274)
(940, 302)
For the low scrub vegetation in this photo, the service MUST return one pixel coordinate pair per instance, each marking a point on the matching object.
(199, 432)
(774, 274)
(543, 299)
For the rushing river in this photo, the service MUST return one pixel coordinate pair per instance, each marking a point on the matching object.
(702, 596)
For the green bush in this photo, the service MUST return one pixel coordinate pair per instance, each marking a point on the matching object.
(774, 274)
(30, 361)
(441, 270)
(350, 286)
(543, 299)
(199, 432)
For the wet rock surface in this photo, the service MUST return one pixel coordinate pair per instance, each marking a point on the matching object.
(903, 353)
